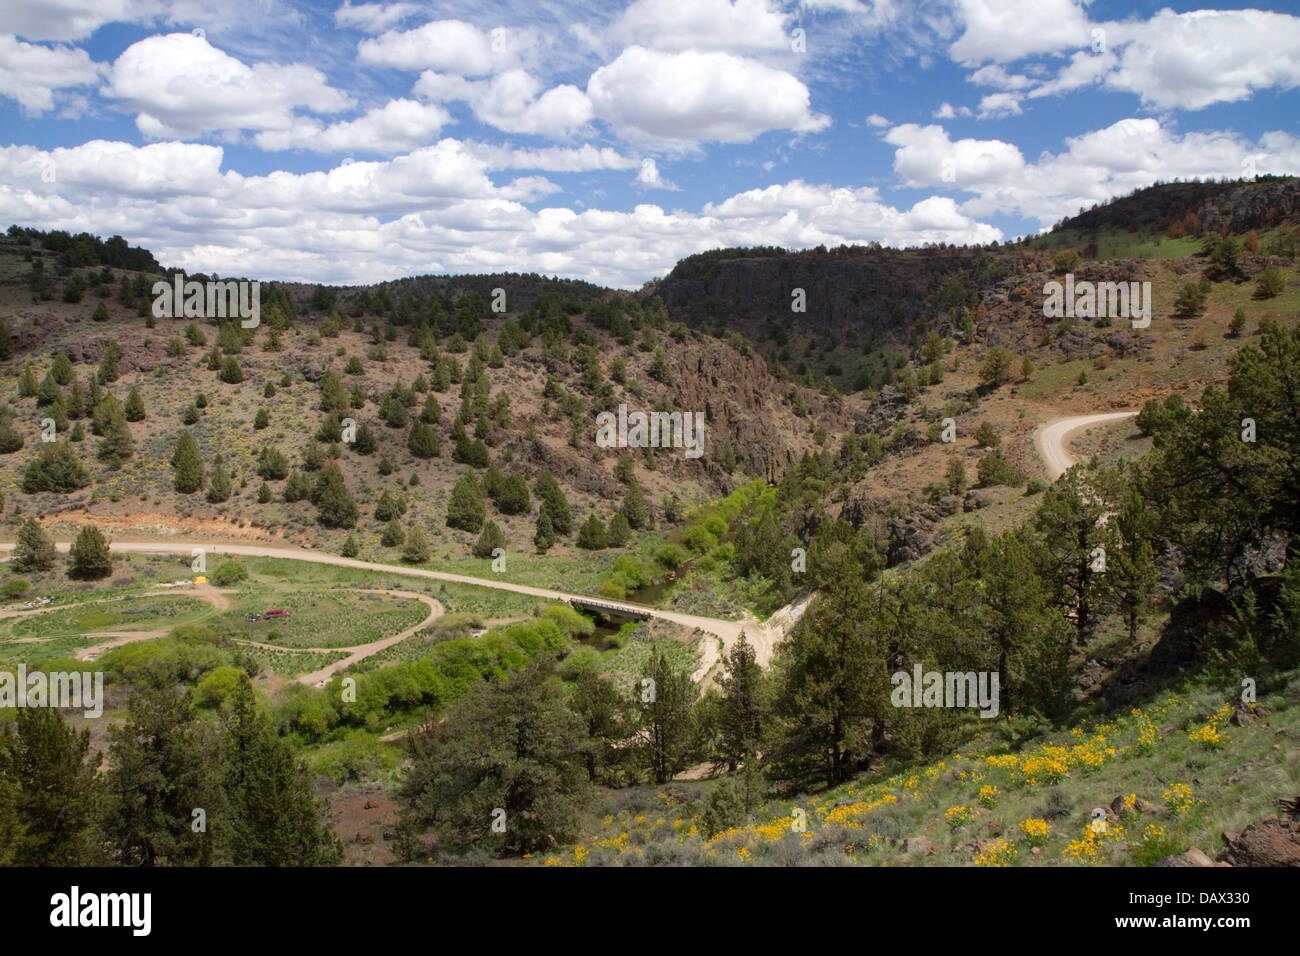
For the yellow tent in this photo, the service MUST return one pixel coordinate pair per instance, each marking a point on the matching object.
(200, 580)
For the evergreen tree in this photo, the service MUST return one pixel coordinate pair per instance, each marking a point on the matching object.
(350, 547)
(744, 708)
(219, 486)
(89, 557)
(274, 818)
(548, 490)
(1069, 522)
(230, 372)
(634, 508)
(366, 443)
(394, 534)
(34, 550)
(389, 506)
(59, 797)
(465, 510)
(1132, 570)
(108, 370)
(544, 538)
(416, 549)
(62, 369)
(832, 682)
(271, 464)
(56, 467)
(489, 540)
(513, 498)
(591, 536)
(160, 770)
(334, 503)
(48, 391)
(77, 406)
(431, 412)
(187, 465)
(117, 446)
(297, 487)
(665, 737)
(513, 745)
(619, 531)
(333, 397)
(422, 441)
(27, 386)
(134, 409)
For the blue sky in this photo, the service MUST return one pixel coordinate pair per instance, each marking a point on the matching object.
(359, 142)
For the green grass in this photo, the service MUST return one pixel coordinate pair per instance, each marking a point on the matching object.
(320, 618)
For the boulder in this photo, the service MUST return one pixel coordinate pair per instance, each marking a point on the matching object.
(919, 844)
(978, 498)
(1270, 842)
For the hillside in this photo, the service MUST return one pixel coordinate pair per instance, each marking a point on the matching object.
(872, 497)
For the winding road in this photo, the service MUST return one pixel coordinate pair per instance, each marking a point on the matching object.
(1052, 440)
(763, 637)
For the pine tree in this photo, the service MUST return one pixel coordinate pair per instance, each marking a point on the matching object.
(465, 510)
(489, 540)
(513, 498)
(1133, 573)
(117, 446)
(544, 538)
(219, 486)
(89, 557)
(350, 547)
(634, 508)
(48, 391)
(664, 740)
(108, 370)
(187, 465)
(59, 797)
(77, 406)
(62, 369)
(548, 489)
(366, 443)
(525, 746)
(591, 536)
(274, 818)
(333, 397)
(271, 464)
(422, 441)
(56, 467)
(134, 407)
(34, 551)
(744, 709)
(160, 770)
(231, 373)
(394, 534)
(833, 683)
(334, 503)
(27, 386)
(416, 550)
(619, 531)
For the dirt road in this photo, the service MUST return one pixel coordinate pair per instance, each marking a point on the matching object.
(1054, 437)
(764, 638)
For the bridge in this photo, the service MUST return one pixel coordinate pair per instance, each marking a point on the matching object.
(622, 609)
